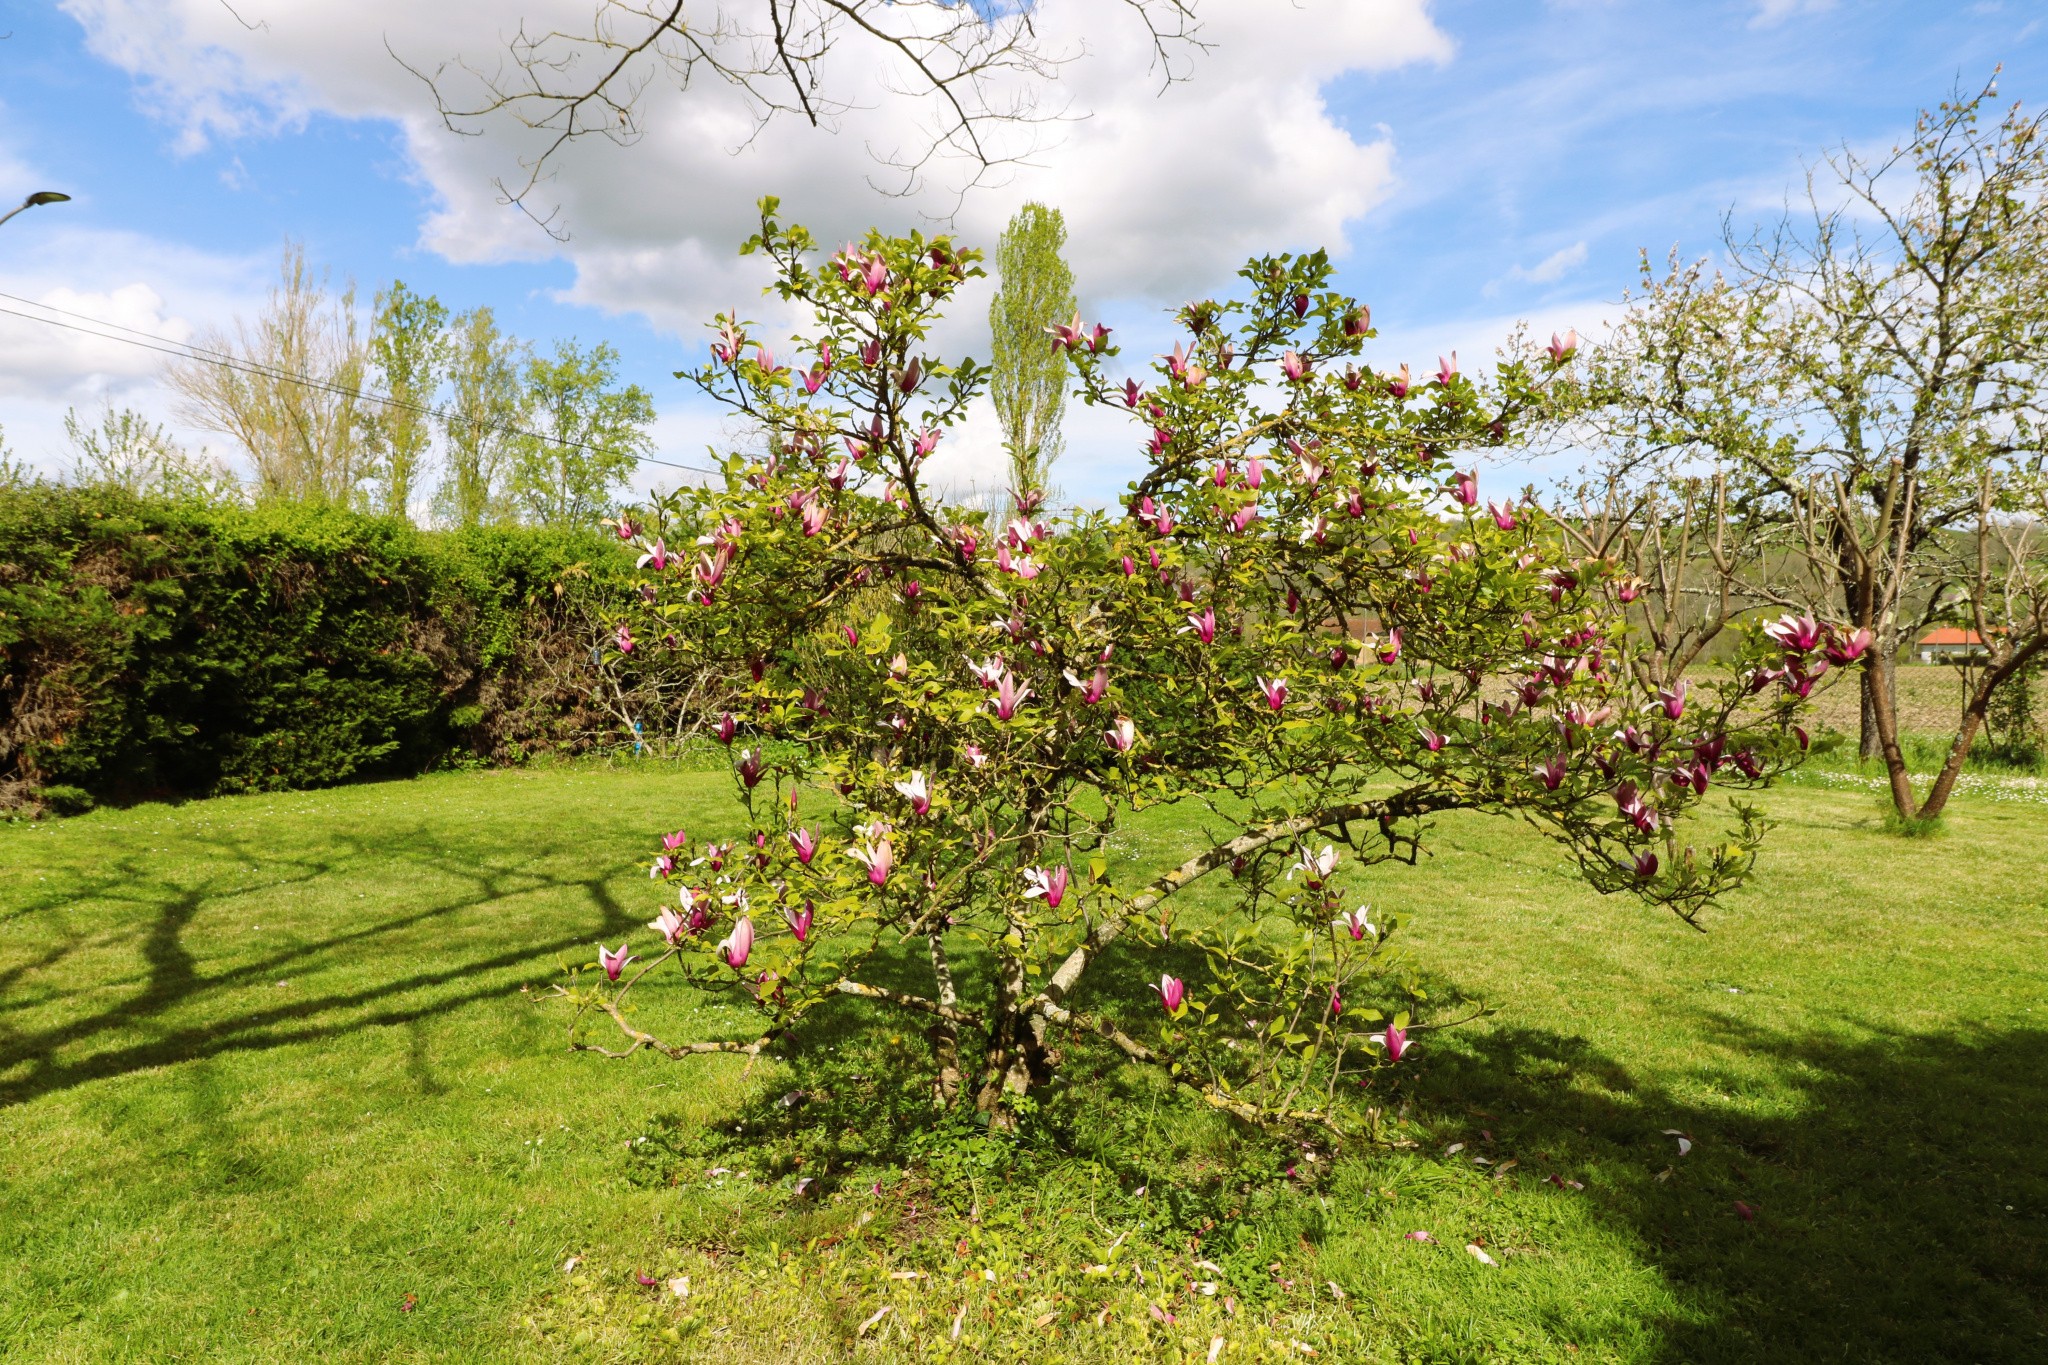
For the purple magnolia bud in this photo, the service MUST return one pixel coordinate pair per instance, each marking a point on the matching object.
(1172, 992)
(1646, 866)
(1395, 1041)
(806, 846)
(1050, 883)
(1465, 488)
(735, 947)
(1358, 321)
(613, 962)
(1673, 699)
(800, 921)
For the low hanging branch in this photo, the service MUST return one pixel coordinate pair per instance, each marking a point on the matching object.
(1302, 623)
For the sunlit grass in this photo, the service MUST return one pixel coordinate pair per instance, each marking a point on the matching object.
(269, 1090)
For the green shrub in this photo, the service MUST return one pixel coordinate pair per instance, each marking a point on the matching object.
(160, 647)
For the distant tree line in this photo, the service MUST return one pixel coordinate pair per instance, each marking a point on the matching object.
(416, 412)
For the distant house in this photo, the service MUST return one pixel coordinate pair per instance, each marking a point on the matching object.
(1949, 644)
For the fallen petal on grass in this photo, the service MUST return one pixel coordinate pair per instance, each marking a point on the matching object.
(1472, 1248)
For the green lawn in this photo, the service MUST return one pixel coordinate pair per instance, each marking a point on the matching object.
(269, 1090)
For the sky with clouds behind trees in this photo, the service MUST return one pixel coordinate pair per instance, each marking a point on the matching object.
(1468, 162)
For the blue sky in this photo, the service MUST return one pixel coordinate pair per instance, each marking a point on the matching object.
(1472, 161)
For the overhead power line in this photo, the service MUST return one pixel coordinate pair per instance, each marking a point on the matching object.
(184, 350)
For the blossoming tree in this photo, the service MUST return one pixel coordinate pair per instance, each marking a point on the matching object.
(1303, 620)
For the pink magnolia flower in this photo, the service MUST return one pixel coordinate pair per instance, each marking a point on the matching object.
(1358, 321)
(916, 792)
(1204, 626)
(871, 353)
(1399, 387)
(1392, 652)
(1354, 503)
(623, 638)
(1503, 515)
(1294, 365)
(1094, 689)
(815, 515)
(1316, 866)
(1673, 699)
(1447, 370)
(1796, 633)
(878, 855)
(1635, 808)
(1552, 774)
(806, 845)
(670, 925)
(1050, 883)
(1646, 866)
(800, 921)
(1431, 740)
(927, 442)
(613, 962)
(1356, 924)
(1465, 488)
(837, 478)
(737, 945)
(1276, 692)
(1312, 470)
(1629, 590)
(1122, 735)
(656, 557)
(1315, 530)
(851, 635)
(988, 672)
(1243, 517)
(627, 530)
(1172, 993)
(1395, 1041)
(727, 728)
(974, 755)
(1847, 649)
(765, 358)
(672, 842)
(1560, 349)
(1132, 393)
(663, 866)
(1130, 566)
(1009, 695)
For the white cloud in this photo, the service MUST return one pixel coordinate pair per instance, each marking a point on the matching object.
(51, 360)
(1772, 12)
(1555, 266)
(1164, 192)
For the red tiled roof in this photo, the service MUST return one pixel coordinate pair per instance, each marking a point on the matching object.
(1951, 635)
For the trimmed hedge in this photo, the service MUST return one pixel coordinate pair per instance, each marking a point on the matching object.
(154, 647)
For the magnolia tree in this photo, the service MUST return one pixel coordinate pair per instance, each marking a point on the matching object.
(1303, 621)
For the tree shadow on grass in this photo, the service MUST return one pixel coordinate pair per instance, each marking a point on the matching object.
(1898, 1212)
(185, 1005)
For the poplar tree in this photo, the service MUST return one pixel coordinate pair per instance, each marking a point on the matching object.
(1029, 375)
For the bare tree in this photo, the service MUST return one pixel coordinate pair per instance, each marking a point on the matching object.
(975, 70)
(1868, 370)
(287, 388)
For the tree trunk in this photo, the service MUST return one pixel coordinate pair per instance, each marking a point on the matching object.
(945, 1034)
(1878, 694)
(1973, 720)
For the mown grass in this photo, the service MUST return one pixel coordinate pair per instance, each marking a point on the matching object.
(269, 1090)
